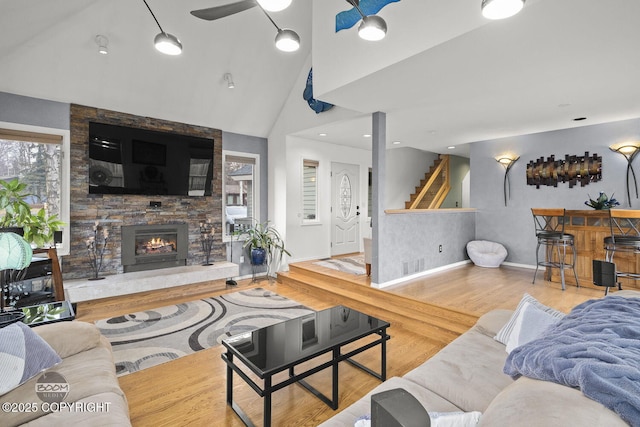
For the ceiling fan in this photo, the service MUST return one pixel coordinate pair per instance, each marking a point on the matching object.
(217, 12)
(286, 40)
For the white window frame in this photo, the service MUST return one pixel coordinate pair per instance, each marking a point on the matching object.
(316, 220)
(65, 180)
(256, 188)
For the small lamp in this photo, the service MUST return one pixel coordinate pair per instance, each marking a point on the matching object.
(629, 150)
(507, 161)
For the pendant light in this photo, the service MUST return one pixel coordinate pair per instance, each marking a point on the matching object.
(165, 43)
(500, 9)
(274, 5)
(286, 40)
(373, 27)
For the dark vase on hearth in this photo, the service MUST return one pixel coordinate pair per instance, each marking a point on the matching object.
(258, 256)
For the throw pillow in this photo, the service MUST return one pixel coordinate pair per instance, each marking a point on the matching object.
(503, 334)
(530, 324)
(23, 354)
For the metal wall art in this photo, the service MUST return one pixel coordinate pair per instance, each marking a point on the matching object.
(573, 169)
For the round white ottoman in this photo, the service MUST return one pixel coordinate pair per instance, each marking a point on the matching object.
(484, 253)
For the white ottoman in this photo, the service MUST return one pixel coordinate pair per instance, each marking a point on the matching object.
(484, 253)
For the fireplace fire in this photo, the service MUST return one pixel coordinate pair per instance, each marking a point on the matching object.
(149, 247)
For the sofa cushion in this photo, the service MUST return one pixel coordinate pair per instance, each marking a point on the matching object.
(490, 323)
(503, 335)
(88, 373)
(533, 403)
(431, 402)
(23, 354)
(467, 372)
(69, 338)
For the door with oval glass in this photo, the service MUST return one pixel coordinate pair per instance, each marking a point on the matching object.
(345, 208)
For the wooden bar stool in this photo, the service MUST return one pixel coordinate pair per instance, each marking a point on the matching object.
(549, 225)
(625, 238)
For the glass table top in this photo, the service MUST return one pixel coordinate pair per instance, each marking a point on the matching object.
(283, 344)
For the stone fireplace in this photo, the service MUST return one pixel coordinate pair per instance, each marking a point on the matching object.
(117, 211)
(149, 247)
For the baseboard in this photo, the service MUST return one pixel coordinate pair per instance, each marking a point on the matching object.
(420, 274)
(515, 264)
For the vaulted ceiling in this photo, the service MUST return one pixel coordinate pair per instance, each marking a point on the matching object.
(474, 80)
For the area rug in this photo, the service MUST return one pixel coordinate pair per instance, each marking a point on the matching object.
(352, 265)
(148, 338)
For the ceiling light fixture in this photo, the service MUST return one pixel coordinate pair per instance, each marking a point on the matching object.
(372, 28)
(274, 5)
(165, 43)
(102, 42)
(286, 40)
(501, 9)
(229, 79)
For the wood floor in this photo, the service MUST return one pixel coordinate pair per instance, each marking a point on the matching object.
(191, 390)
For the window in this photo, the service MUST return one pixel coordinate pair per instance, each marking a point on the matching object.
(38, 157)
(241, 191)
(309, 191)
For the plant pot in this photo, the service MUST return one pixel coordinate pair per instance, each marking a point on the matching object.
(258, 256)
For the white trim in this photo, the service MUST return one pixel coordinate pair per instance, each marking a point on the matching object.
(256, 188)
(420, 274)
(65, 182)
(515, 264)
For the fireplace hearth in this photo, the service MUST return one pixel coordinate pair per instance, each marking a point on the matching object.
(149, 247)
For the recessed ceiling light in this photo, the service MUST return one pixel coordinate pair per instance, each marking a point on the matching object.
(578, 119)
(322, 134)
(451, 147)
(366, 135)
(396, 143)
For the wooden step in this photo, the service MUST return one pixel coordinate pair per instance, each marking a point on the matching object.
(443, 324)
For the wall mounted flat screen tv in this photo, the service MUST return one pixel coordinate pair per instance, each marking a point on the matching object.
(125, 160)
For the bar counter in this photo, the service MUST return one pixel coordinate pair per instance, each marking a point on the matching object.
(590, 227)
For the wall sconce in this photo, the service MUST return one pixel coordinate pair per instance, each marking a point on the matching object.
(629, 150)
(507, 161)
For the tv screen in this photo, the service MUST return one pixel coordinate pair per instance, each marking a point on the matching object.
(124, 160)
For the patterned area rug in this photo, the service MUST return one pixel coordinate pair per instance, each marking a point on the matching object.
(148, 338)
(353, 265)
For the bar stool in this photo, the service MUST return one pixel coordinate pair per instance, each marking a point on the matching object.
(625, 237)
(549, 225)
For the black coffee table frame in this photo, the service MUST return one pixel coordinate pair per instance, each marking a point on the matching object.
(269, 388)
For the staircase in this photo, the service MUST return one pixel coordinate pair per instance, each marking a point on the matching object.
(433, 188)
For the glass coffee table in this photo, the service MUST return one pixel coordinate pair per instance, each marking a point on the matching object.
(283, 346)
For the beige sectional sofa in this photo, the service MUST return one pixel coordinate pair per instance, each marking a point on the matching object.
(467, 375)
(88, 368)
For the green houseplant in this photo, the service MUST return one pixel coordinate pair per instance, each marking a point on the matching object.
(265, 244)
(38, 227)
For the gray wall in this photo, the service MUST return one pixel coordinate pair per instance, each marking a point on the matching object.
(513, 225)
(33, 111)
(410, 241)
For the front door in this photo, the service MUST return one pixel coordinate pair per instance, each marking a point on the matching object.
(345, 209)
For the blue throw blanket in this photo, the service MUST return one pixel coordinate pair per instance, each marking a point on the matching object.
(595, 348)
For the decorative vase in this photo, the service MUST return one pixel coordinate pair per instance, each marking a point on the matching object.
(258, 256)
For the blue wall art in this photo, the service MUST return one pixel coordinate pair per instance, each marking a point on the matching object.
(316, 105)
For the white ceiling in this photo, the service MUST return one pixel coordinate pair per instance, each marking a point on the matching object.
(555, 61)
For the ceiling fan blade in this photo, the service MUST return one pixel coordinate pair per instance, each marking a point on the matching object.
(217, 12)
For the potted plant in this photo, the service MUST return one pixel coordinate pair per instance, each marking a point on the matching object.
(36, 228)
(265, 244)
